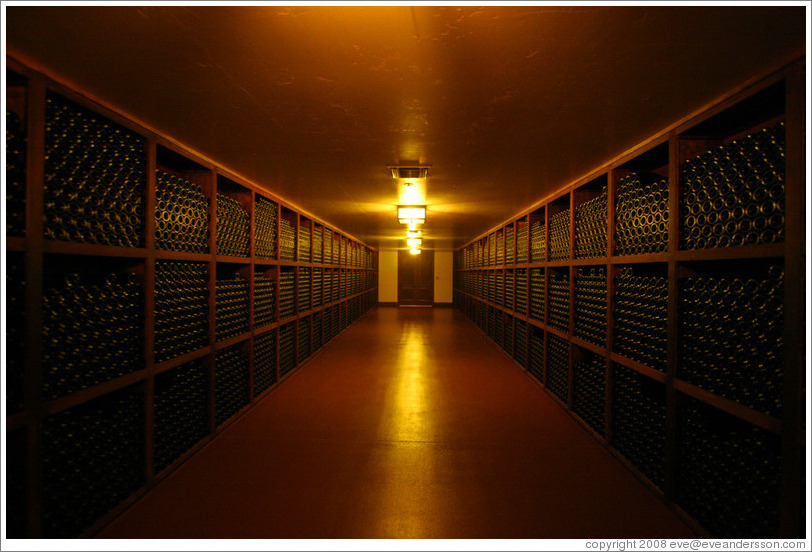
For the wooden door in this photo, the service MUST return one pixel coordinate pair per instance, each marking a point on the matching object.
(415, 278)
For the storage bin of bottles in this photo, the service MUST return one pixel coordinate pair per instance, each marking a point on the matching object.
(265, 215)
(559, 315)
(264, 361)
(92, 329)
(233, 226)
(181, 308)
(641, 216)
(733, 195)
(558, 358)
(560, 236)
(727, 472)
(264, 299)
(641, 317)
(589, 389)
(231, 302)
(180, 411)
(92, 460)
(231, 366)
(732, 334)
(95, 178)
(538, 242)
(590, 305)
(590, 227)
(638, 421)
(287, 350)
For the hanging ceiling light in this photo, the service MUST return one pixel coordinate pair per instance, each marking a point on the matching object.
(411, 214)
(415, 251)
(414, 242)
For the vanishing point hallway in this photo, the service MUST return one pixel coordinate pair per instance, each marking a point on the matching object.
(410, 424)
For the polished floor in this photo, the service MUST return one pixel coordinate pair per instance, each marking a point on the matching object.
(410, 424)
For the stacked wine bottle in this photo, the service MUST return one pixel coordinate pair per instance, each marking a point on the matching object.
(181, 215)
(181, 308)
(230, 382)
(537, 291)
(560, 236)
(304, 243)
(265, 228)
(521, 244)
(95, 177)
(509, 289)
(264, 361)
(638, 421)
(318, 286)
(641, 318)
(303, 303)
(731, 336)
(92, 330)
(520, 348)
(499, 291)
(590, 227)
(588, 390)
(15, 174)
(264, 300)
(500, 248)
(538, 242)
(510, 246)
(287, 297)
(641, 215)
(318, 330)
(92, 459)
(734, 195)
(231, 302)
(590, 305)
(287, 240)
(318, 244)
(335, 285)
(287, 348)
(233, 225)
(727, 472)
(181, 411)
(559, 315)
(536, 364)
(558, 358)
(521, 291)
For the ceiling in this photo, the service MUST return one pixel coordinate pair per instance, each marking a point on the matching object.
(507, 104)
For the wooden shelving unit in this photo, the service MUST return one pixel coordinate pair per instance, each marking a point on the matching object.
(711, 356)
(126, 359)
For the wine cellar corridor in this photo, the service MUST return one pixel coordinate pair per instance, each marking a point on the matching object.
(205, 336)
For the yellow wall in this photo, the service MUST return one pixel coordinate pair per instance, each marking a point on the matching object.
(388, 275)
(443, 276)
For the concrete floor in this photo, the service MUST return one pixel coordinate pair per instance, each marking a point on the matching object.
(410, 424)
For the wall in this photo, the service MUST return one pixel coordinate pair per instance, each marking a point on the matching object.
(388, 276)
(443, 276)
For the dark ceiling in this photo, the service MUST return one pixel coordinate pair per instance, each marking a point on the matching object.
(507, 104)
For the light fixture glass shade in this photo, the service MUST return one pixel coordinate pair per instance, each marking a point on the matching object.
(413, 233)
(415, 251)
(408, 214)
(414, 242)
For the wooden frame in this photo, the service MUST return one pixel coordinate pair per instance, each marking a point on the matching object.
(762, 102)
(38, 255)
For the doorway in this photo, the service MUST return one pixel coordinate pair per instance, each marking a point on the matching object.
(415, 278)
